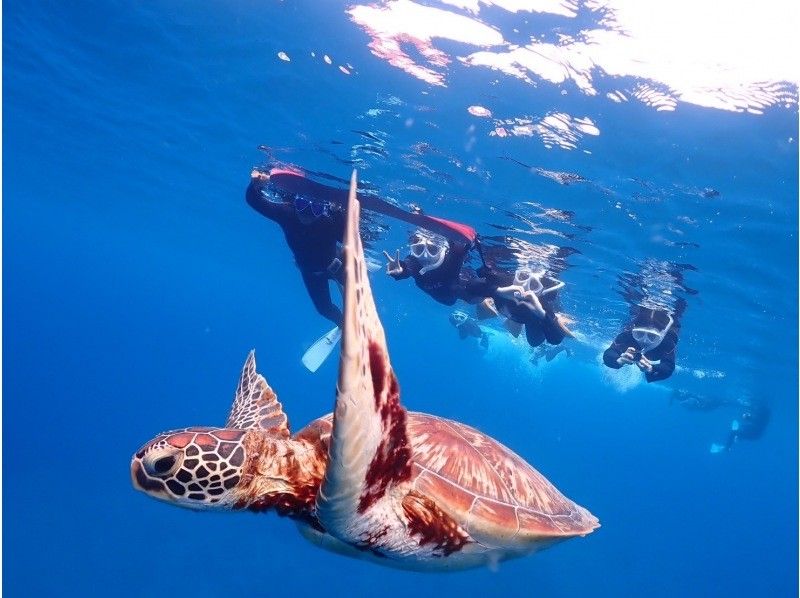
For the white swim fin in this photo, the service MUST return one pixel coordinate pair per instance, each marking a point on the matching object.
(320, 350)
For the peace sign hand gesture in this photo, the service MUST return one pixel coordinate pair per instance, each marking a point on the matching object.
(393, 267)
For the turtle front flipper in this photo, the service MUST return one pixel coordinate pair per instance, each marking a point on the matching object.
(256, 405)
(369, 450)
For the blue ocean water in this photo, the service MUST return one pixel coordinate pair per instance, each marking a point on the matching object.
(136, 279)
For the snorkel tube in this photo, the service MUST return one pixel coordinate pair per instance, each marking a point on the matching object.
(435, 264)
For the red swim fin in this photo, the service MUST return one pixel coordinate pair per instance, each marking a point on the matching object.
(465, 230)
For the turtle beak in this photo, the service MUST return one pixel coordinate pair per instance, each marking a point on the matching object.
(138, 478)
(141, 482)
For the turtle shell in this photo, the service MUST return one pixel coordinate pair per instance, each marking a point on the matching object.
(494, 495)
(498, 498)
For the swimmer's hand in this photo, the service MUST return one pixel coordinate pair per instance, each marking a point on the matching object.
(512, 291)
(522, 297)
(645, 364)
(258, 176)
(627, 357)
(393, 266)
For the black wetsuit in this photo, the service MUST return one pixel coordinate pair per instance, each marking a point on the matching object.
(446, 284)
(752, 423)
(537, 329)
(314, 244)
(469, 328)
(664, 353)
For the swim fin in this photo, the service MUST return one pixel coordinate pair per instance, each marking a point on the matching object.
(550, 355)
(320, 350)
(716, 448)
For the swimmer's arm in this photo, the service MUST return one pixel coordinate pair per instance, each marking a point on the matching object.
(558, 284)
(479, 288)
(617, 348)
(663, 369)
(459, 250)
(397, 268)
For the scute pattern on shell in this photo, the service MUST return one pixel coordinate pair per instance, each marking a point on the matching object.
(473, 474)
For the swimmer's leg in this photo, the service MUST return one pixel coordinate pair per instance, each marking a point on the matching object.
(551, 329)
(534, 334)
(320, 293)
(718, 448)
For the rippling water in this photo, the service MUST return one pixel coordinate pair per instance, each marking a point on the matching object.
(657, 143)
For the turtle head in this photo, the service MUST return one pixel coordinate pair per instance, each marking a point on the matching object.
(197, 468)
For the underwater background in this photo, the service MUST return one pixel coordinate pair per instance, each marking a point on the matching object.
(136, 278)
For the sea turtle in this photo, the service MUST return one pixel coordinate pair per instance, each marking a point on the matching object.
(370, 480)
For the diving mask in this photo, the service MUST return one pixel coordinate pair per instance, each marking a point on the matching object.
(650, 338)
(315, 207)
(430, 253)
(529, 280)
(302, 205)
(458, 318)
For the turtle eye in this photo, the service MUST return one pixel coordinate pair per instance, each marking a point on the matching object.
(160, 465)
(164, 464)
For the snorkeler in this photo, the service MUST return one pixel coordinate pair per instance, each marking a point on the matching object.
(468, 327)
(313, 228)
(649, 342)
(750, 425)
(435, 262)
(526, 298)
(655, 295)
